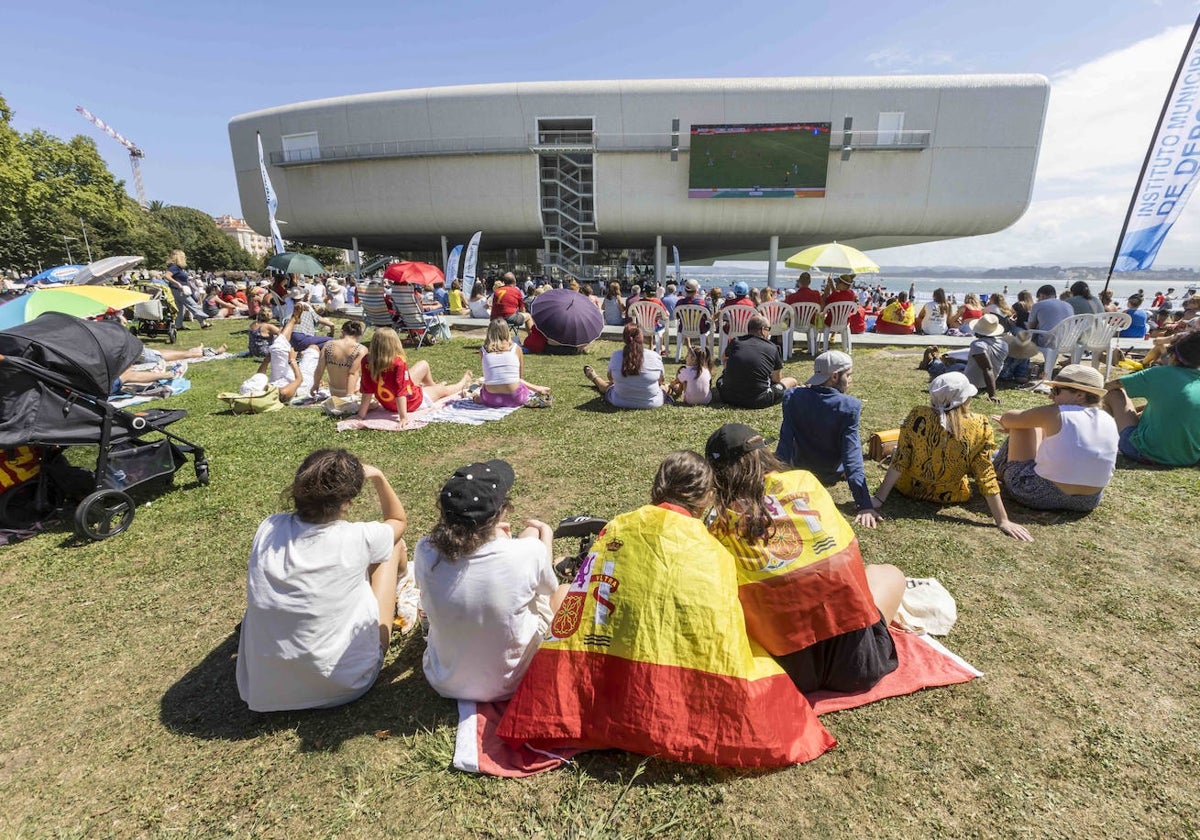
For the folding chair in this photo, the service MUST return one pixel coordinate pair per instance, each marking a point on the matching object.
(837, 320)
(688, 319)
(1062, 340)
(374, 307)
(737, 318)
(649, 316)
(806, 318)
(779, 316)
(1101, 338)
(410, 316)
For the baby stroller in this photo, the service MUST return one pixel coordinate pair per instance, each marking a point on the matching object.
(56, 373)
(156, 316)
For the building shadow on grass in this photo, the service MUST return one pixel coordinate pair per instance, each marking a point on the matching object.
(204, 703)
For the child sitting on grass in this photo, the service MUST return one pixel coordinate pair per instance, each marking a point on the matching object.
(693, 383)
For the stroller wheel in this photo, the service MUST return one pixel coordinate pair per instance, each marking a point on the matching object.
(171, 333)
(104, 514)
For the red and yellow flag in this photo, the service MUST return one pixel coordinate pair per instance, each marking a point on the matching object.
(649, 653)
(807, 583)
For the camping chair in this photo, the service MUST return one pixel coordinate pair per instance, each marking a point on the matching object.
(837, 320)
(779, 316)
(806, 317)
(374, 307)
(688, 319)
(737, 319)
(648, 316)
(1062, 340)
(1101, 338)
(411, 317)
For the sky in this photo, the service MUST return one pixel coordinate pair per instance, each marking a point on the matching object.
(169, 76)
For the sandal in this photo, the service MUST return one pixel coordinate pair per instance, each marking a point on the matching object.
(589, 371)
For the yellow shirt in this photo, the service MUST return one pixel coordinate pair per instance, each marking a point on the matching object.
(935, 466)
(458, 303)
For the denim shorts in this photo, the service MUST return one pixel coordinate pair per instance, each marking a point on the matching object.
(1125, 445)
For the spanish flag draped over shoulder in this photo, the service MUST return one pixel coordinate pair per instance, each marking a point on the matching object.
(649, 653)
(807, 583)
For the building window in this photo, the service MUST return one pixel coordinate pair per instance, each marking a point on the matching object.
(301, 147)
(891, 127)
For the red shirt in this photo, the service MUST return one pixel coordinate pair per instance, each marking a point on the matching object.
(809, 295)
(393, 384)
(858, 323)
(506, 301)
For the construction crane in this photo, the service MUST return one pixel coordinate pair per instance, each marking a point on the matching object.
(135, 153)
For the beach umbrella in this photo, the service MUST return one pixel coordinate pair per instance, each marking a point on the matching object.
(566, 317)
(80, 301)
(101, 270)
(58, 274)
(290, 262)
(833, 257)
(414, 273)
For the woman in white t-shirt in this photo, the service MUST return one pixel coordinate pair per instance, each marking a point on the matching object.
(321, 591)
(934, 316)
(489, 596)
(635, 374)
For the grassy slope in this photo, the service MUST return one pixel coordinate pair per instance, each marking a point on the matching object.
(119, 714)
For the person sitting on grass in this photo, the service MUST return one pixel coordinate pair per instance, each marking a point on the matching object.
(940, 445)
(693, 382)
(635, 374)
(388, 380)
(320, 590)
(489, 595)
(1166, 430)
(341, 360)
(504, 382)
(753, 376)
(1060, 456)
(807, 596)
(897, 318)
(985, 361)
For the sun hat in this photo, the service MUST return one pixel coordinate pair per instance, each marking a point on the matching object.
(334, 286)
(1022, 345)
(827, 364)
(1080, 378)
(476, 492)
(691, 286)
(741, 288)
(988, 326)
(845, 280)
(731, 441)
(298, 293)
(949, 391)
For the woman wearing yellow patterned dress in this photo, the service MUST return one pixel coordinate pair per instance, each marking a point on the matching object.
(941, 445)
(807, 597)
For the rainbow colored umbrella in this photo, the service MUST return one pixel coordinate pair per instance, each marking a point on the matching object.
(80, 301)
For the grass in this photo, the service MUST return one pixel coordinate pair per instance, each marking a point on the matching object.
(119, 715)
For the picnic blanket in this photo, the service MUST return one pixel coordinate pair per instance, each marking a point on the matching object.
(924, 663)
(446, 410)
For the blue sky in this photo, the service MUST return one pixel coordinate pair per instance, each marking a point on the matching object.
(170, 75)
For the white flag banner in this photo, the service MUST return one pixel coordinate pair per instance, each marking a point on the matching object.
(469, 261)
(1169, 173)
(678, 275)
(452, 265)
(272, 202)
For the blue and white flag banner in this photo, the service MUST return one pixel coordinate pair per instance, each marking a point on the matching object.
(452, 264)
(1169, 175)
(678, 275)
(472, 256)
(272, 202)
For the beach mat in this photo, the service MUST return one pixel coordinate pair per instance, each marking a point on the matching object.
(446, 410)
(924, 662)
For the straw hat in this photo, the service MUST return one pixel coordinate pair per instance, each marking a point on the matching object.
(1022, 345)
(1080, 378)
(988, 326)
(334, 287)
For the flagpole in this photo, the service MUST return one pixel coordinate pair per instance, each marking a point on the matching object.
(1149, 152)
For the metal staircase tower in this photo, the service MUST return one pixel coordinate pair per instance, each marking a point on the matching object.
(566, 149)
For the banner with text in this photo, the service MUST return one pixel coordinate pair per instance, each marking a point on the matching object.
(469, 261)
(272, 202)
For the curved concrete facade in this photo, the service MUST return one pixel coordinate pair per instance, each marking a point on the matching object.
(400, 169)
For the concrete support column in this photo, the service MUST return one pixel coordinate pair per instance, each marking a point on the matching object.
(772, 259)
(660, 260)
(357, 256)
(445, 257)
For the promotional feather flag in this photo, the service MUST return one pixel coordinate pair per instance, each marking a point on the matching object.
(272, 201)
(649, 653)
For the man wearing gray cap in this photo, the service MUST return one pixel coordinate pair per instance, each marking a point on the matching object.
(819, 432)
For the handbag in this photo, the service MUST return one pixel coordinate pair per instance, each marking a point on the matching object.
(267, 400)
(881, 445)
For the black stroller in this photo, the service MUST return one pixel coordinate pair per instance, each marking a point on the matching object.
(56, 373)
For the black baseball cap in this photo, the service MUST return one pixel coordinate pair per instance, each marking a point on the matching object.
(476, 492)
(732, 441)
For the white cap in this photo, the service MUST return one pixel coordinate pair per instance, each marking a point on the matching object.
(827, 364)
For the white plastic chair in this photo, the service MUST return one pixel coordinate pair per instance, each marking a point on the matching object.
(806, 318)
(737, 318)
(647, 316)
(779, 316)
(1101, 338)
(837, 320)
(688, 317)
(1062, 340)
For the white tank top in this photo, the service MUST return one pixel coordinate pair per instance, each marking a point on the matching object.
(1083, 452)
(502, 368)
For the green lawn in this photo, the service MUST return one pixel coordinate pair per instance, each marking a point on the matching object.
(119, 715)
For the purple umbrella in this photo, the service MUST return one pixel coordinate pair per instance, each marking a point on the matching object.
(567, 317)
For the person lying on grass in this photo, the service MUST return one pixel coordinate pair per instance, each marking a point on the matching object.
(321, 591)
(807, 596)
(489, 595)
(387, 379)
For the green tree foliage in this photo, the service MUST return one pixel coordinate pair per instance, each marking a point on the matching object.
(207, 248)
(330, 257)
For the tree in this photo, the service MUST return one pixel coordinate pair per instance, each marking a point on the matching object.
(324, 254)
(207, 248)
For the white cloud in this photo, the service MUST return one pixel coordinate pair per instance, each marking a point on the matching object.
(900, 60)
(1098, 124)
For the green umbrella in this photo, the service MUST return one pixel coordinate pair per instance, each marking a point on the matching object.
(292, 263)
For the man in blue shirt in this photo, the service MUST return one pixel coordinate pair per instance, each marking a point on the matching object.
(820, 431)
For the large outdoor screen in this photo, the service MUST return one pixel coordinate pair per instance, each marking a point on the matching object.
(775, 160)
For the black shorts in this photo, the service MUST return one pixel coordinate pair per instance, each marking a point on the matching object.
(772, 396)
(848, 663)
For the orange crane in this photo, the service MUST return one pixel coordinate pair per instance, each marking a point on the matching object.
(135, 153)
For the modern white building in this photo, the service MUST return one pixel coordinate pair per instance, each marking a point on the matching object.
(573, 167)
